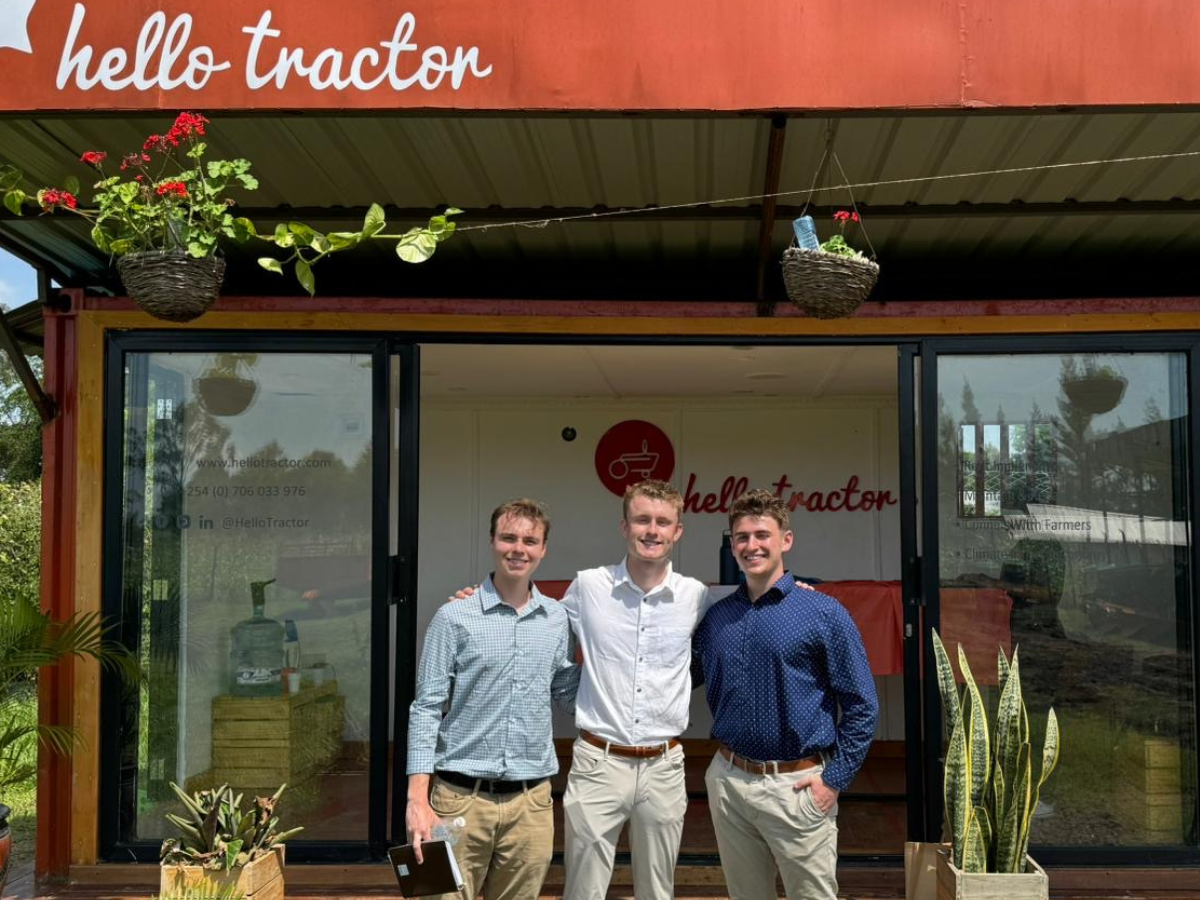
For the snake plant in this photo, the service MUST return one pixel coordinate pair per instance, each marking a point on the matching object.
(990, 792)
(217, 835)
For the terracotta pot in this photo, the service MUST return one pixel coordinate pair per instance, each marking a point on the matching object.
(224, 395)
(5, 845)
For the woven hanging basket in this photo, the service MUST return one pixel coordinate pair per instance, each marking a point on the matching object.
(825, 285)
(170, 284)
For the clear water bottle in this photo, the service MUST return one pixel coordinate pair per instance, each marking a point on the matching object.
(806, 233)
(450, 831)
(256, 650)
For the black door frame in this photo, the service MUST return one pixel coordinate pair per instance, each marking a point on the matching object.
(398, 587)
(113, 845)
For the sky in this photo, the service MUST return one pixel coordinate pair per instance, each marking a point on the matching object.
(18, 282)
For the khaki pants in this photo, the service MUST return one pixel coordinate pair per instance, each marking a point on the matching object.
(505, 848)
(763, 824)
(604, 791)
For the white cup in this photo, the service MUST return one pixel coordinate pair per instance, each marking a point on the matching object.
(293, 682)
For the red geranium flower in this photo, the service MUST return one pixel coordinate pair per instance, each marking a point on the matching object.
(53, 197)
(184, 125)
(93, 157)
(172, 187)
(155, 142)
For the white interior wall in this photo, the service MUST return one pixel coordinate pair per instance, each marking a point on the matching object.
(476, 454)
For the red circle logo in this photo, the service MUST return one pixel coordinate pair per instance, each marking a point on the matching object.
(632, 451)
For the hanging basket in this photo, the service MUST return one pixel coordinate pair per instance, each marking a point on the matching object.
(1095, 394)
(825, 285)
(222, 395)
(170, 284)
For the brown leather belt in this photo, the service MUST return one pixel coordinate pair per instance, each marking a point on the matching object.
(646, 752)
(754, 767)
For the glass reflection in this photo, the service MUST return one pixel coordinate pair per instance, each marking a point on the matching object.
(1063, 511)
(246, 583)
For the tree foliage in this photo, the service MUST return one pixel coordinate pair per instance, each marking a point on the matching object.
(20, 540)
(20, 427)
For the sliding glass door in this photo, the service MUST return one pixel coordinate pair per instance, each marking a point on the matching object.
(1059, 498)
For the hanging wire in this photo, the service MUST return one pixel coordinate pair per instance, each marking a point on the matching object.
(862, 223)
(921, 179)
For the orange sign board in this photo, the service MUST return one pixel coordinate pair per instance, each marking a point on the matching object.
(655, 55)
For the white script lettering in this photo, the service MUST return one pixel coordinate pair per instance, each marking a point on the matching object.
(113, 71)
(328, 68)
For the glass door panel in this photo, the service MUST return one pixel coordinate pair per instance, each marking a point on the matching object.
(245, 584)
(1063, 527)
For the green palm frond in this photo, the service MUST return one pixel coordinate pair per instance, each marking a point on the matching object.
(31, 639)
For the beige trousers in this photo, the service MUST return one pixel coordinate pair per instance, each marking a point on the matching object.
(604, 791)
(504, 851)
(764, 825)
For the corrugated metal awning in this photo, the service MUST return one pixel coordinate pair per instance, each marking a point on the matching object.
(1072, 231)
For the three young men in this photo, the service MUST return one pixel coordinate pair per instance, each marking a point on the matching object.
(635, 622)
(481, 744)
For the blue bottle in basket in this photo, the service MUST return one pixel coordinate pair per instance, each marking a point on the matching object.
(806, 233)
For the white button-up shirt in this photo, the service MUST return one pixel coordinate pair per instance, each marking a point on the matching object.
(636, 683)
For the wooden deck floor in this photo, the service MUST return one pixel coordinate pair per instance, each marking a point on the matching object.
(364, 883)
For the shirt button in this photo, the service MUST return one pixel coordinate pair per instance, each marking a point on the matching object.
(639, 690)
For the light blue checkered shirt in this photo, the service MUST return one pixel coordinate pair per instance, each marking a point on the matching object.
(485, 684)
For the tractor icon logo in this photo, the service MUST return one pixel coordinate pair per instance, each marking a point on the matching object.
(632, 451)
(640, 465)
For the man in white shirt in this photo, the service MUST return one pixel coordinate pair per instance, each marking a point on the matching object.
(634, 622)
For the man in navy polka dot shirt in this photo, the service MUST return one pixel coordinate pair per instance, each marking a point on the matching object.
(779, 662)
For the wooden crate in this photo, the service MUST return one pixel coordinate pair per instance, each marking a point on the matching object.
(258, 743)
(1152, 787)
(954, 884)
(259, 880)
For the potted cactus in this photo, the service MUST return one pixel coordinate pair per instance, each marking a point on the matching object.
(991, 789)
(220, 844)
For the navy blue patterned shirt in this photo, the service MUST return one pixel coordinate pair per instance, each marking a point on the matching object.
(776, 672)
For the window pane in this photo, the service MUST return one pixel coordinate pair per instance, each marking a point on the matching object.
(1063, 508)
(246, 584)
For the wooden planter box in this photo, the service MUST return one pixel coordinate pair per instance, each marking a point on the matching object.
(954, 884)
(259, 880)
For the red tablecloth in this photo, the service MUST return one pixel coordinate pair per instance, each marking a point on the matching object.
(877, 610)
(978, 617)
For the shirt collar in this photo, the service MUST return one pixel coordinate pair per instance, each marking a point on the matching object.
(666, 587)
(774, 594)
(489, 597)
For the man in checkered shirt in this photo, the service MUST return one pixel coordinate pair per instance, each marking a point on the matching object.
(480, 737)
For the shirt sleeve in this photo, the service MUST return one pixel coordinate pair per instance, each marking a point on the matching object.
(851, 681)
(572, 603)
(565, 685)
(435, 679)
